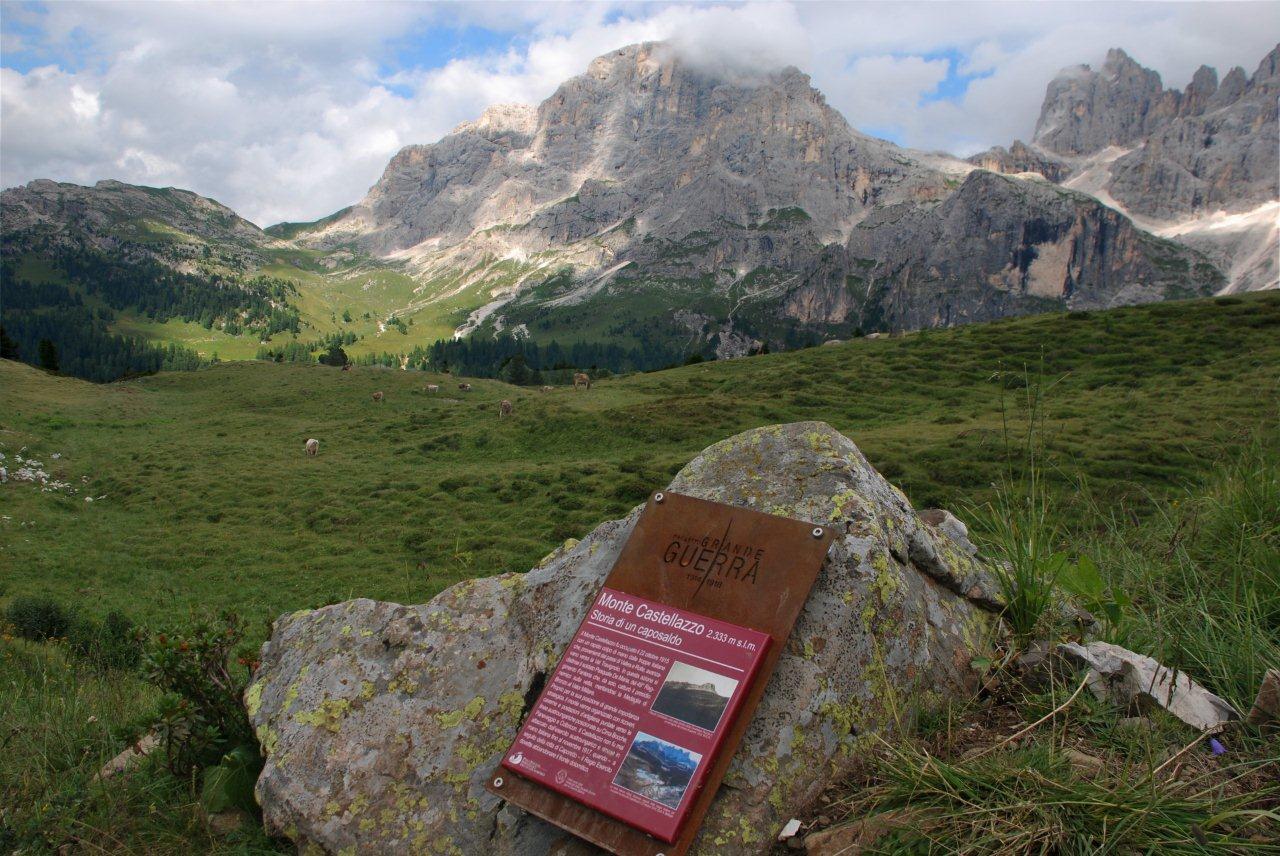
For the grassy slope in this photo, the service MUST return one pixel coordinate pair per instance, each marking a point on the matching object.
(328, 285)
(209, 500)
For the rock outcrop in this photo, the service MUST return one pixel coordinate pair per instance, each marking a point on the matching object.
(381, 722)
(1022, 158)
(125, 220)
(1000, 246)
(1200, 166)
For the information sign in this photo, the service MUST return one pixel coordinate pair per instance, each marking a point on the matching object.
(635, 728)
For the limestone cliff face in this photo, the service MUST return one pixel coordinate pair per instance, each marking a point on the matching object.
(645, 139)
(1001, 247)
(1201, 165)
(1221, 150)
(1085, 111)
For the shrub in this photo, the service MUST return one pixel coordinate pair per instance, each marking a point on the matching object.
(39, 618)
(112, 644)
(201, 717)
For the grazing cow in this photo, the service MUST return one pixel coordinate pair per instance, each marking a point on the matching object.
(581, 378)
(465, 387)
(432, 387)
(504, 408)
(313, 447)
(377, 396)
(346, 367)
(548, 388)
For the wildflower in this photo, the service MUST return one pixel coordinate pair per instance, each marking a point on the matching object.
(1216, 747)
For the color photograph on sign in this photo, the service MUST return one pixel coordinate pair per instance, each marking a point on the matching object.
(694, 695)
(657, 770)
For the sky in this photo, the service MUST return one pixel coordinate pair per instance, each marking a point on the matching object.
(290, 111)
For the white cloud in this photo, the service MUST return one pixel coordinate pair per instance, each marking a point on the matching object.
(291, 111)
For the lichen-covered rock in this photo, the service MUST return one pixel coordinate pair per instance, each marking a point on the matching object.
(380, 722)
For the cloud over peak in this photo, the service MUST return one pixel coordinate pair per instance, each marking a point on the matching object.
(290, 111)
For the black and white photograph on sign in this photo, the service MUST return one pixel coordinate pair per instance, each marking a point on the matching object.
(657, 770)
(694, 695)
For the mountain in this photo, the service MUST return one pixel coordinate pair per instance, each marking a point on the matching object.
(167, 223)
(653, 208)
(649, 199)
(109, 272)
(1199, 165)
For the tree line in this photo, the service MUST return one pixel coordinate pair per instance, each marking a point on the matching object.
(257, 306)
(65, 324)
(50, 326)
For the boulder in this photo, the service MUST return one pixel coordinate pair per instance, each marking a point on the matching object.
(381, 722)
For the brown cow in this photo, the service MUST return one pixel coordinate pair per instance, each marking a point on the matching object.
(377, 396)
(346, 367)
(465, 387)
(548, 388)
(581, 378)
(432, 387)
(504, 408)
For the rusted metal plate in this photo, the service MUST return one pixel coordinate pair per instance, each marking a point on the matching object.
(724, 562)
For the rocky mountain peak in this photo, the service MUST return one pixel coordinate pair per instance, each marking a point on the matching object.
(643, 135)
(1085, 110)
(1269, 69)
(501, 118)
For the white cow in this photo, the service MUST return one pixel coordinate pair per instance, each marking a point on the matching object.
(313, 447)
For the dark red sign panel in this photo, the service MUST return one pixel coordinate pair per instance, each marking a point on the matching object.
(636, 728)
(637, 708)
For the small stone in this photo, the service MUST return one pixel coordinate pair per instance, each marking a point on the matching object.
(1266, 707)
(1084, 763)
(1135, 723)
(1134, 680)
(854, 838)
(789, 829)
(130, 757)
(226, 822)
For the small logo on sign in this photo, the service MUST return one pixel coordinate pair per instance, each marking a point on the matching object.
(561, 776)
(711, 561)
(517, 758)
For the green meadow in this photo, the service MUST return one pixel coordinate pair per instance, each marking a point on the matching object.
(203, 496)
(1159, 436)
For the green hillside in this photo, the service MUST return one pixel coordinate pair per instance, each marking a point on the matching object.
(1160, 433)
(202, 495)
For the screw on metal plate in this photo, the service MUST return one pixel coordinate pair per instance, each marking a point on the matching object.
(497, 783)
(817, 532)
(659, 497)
